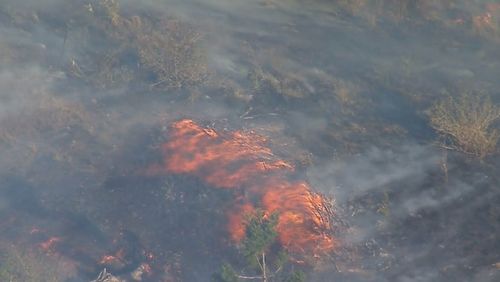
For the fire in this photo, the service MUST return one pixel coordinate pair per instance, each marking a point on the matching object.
(35, 230)
(49, 244)
(488, 20)
(483, 21)
(236, 220)
(118, 257)
(149, 256)
(227, 161)
(107, 259)
(241, 161)
(300, 227)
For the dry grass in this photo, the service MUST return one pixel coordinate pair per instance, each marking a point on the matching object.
(287, 82)
(375, 11)
(50, 117)
(6, 54)
(53, 127)
(466, 123)
(167, 52)
(173, 53)
(18, 265)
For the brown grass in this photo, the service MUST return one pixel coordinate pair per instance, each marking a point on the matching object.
(173, 53)
(466, 123)
(17, 264)
(52, 127)
(168, 51)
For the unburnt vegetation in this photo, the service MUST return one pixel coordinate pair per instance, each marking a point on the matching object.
(157, 52)
(467, 123)
(21, 265)
(89, 89)
(263, 263)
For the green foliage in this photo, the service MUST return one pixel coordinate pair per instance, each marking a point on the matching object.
(226, 274)
(296, 276)
(260, 235)
(281, 259)
(265, 259)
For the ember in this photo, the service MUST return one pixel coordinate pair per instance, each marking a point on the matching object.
(49, 244)
(240, 160)
(113, 259)
(107, 259)
(35, 230)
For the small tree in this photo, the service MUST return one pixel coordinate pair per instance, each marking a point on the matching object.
(296, 276)
(260, 235)
(261, 253)
(226, 274)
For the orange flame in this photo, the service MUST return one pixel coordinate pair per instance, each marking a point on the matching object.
(50, 243)
(118, 257)
(35, 230)
(488, 20)
(300, 228)
(222, 161)
(240, 160)
(236, 220)
(107, 259)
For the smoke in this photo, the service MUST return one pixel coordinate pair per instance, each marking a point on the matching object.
(240, 161)
(403, 194)
(339, 91)
(375, 169)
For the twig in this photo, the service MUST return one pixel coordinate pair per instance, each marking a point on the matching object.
(247, 112)
(248, 277)
(455, 149)
(264, 267)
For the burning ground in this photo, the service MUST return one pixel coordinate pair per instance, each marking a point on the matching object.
(142, 137)
(240, 161)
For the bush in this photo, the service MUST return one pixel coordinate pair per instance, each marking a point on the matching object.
(226, 274)
(173, 54)
(466, 123)
(118, 47)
